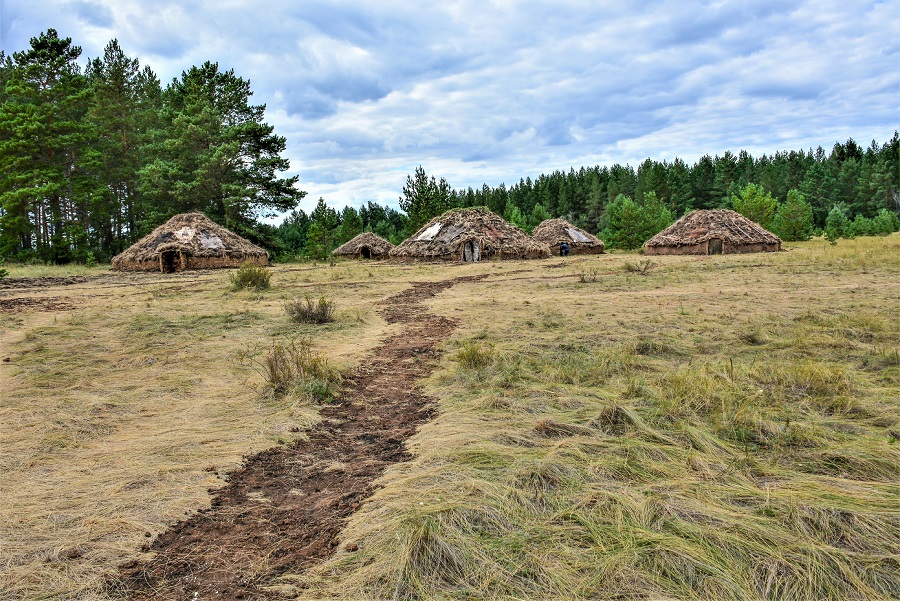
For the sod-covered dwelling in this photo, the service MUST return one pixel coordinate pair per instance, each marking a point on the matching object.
(364, 246)
(470, 235)
(553, 232)
(714, 232)
(189, 241)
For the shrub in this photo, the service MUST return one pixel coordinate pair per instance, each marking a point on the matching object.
(836, 225)
(90, 260)
(640, 268)
(3, 272)
(250, 276)
(310, 311)
(295, 367)
(474, 356)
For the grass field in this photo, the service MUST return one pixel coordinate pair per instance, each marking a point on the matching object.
(711, 428)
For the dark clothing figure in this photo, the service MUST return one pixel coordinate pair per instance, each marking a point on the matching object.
(563, 250)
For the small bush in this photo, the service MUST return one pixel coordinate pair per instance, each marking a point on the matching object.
(254, 277)
(310, 311)
(3, 272)
(90, 260)
(474, 356)
(588, 277)
(294, 367)
(641, 268)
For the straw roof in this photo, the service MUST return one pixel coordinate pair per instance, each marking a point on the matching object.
(193, 235)
(445, 236)
(556, 231)
(377, 246)
(700, 226)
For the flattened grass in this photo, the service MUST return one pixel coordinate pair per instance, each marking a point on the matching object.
(720, 428)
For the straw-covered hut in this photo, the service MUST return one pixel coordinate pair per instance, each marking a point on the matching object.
(189, 241)
(716, 232)
(554, 232)
(364, 246)
(470, 235)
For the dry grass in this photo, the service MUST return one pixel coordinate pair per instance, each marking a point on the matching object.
(724, 429)
(118, 415)
(721, 430)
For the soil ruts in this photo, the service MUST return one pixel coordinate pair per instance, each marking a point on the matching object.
(284, 509)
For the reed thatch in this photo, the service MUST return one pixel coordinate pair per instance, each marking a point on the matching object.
(712, 232)
(189, 241)
(554, 232)
(470, 235)
(365, 246)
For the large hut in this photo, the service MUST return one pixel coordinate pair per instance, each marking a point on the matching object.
(189, 241)
(716, 232)
(364, 246)
(470, 235)
(554, 232)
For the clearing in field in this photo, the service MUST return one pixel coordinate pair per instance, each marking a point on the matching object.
(700, 427)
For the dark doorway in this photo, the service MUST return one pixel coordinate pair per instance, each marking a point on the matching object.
(169, 261)
(365, 252)
(471, 251)
(715, 246)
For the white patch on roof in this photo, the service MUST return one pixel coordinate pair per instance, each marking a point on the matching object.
(430, 233)
(576, 235)
(211, 241)
(185, 234)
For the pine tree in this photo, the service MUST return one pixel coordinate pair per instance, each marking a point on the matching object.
(794, 218)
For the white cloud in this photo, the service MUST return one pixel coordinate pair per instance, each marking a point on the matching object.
(491, 92)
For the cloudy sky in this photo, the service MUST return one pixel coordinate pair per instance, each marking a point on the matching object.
(489, 92)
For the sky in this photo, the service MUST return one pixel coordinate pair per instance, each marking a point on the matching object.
(490, 92)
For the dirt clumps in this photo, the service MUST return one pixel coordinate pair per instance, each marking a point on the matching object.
(284, 509)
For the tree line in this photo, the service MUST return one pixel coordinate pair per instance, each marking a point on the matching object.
(93, 157)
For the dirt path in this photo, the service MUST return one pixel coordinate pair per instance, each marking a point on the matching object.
(284, 509)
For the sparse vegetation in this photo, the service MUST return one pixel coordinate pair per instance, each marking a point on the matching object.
(639, 267)
(250, 276)
(310, 311)
(725, 429)
(293, 367)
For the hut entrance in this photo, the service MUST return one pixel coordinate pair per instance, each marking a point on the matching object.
(365, 253)
(715, 246)
(471, 251)
(170, 261)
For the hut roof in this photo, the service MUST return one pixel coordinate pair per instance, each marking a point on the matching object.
(699, 226)
(443, 235)
(554, 231)
(377, 244)
(194, 234)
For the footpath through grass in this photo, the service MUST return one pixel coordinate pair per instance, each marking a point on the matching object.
(716, 428)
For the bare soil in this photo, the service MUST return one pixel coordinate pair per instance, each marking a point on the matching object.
(285, 508)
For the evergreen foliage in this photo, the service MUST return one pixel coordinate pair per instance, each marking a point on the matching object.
(793, 218)
(92, 159)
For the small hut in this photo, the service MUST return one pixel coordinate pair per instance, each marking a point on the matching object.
(554, 232)
(189, 241)
(470, 235)
(364, 246)
(716, 232)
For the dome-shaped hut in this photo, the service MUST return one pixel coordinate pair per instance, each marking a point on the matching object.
(364, 246)
(553, 232)
(470, 235)
(189, 241)
(713, 232)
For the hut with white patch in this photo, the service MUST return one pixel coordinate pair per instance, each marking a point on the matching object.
(469, 235)
(189, 241)
(554, 232)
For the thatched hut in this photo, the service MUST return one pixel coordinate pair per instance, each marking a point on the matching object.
(364, 246)
(716, 232)
(554, 232)
(470, 235)
(189, 241)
